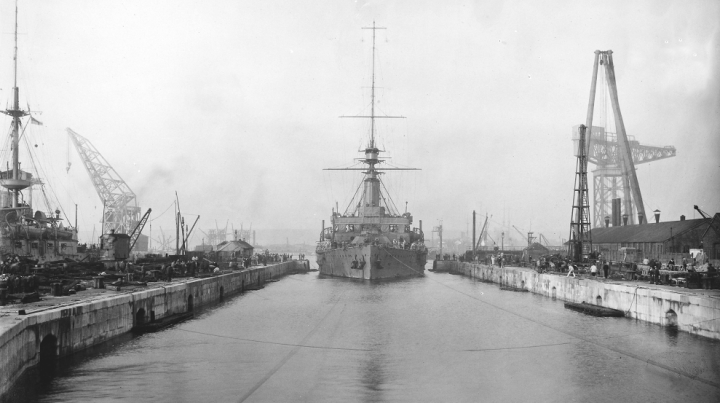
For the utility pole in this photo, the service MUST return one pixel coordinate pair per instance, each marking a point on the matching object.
(473, 238)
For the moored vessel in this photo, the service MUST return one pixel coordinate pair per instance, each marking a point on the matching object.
(371, 239)
(25, 232)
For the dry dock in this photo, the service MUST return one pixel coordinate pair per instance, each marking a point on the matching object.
(60, 326)
(691, 310)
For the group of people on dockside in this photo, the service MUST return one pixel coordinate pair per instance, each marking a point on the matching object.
(15, 284)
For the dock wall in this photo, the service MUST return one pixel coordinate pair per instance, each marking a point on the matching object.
(696, 314)
(63, 331)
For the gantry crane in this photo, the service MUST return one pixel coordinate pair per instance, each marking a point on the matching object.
(615, 154)
(120, 210)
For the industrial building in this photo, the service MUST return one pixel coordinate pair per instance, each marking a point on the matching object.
(660, 240)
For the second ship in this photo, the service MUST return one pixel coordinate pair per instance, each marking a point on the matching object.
(371, 239)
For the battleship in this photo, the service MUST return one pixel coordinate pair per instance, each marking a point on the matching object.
(24, 232)
(371, 239)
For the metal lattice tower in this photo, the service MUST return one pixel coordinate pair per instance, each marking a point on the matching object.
(121, 212)
(580, 243)
(615, 154)
(607, 183)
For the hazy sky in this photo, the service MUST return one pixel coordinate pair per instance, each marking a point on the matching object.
(235, 104)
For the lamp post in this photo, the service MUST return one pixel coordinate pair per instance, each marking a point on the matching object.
(502, 242)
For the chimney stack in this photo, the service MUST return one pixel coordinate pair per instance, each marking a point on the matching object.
(657, 216)
(616, 215)
(682, 218)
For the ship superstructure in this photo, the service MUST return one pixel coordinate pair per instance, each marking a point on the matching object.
(25, 232)
(371, 239)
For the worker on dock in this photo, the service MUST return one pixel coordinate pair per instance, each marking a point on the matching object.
(571, 270)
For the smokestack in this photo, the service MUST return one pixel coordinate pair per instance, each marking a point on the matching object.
(657, 216)
(420, 221)
(616, 212)
(682, 218)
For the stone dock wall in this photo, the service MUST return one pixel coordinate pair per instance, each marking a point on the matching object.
(67, 330)
(696, 314)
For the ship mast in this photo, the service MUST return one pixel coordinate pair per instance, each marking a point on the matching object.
(372, 91)
(371, 191)
(15, 184)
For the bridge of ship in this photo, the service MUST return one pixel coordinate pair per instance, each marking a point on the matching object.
(371, 222)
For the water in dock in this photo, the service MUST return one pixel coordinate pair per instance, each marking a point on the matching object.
(437, 338)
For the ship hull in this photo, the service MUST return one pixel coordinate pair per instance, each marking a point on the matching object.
(372, 262)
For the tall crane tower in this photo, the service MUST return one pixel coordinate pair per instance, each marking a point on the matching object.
(615, 154)
(121, 212)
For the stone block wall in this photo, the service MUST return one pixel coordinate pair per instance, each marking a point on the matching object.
(697, 314)
(72, 329)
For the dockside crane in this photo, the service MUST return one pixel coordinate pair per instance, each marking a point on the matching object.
(544, 240)
(530, 237)
(135, 234)
(702, 213)
(614, 154)
(483, 233)
(121, 212)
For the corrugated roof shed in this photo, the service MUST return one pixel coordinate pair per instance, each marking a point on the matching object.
(656, 232)
(234, 246)
(537, 247)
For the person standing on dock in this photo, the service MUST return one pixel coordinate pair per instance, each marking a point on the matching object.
(593, 270)
(606, 269)
(571, 270)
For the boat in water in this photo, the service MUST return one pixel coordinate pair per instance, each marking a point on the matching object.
(26, 233)
(371, 239)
